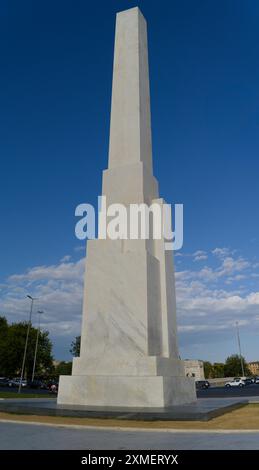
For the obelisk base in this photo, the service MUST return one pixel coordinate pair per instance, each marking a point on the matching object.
(126, 391)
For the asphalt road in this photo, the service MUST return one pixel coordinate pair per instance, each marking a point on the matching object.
(14, 436)
(212, 392)
(224, 392)
(24, 390)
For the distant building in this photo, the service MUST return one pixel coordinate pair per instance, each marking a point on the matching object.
(194, 369)
(254, 367)
(56, 363)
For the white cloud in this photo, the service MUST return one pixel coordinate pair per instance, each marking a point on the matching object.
(58, 289)
(80, 248)
(237, 277)
(221, 252)
(209, 299)
(65, 259)
(200, 255)
(231, 265)
(201, 258)
(65, 271)
(203, 295)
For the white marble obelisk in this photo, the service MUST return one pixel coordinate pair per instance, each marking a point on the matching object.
(129, 351)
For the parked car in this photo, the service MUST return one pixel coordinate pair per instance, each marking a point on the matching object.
(202, 384)
(37, 384)
(248, 381)
(256, 380)
(4, 381)
(16, 383)
(237, 382)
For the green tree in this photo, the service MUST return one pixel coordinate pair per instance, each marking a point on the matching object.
(218, 369)
(63, 368)
(12, 342)
(3, 326)
(75, 346)
(3, 342)
(208, 370)
(233, 367)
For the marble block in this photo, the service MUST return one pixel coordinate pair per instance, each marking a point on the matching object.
(126, 391)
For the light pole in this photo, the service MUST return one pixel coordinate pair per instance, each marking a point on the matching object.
(26, 342)
(36, 346)
(240, 353)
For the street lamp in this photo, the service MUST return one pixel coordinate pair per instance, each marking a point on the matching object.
(26, 342)
(36, 346)
(239, 347)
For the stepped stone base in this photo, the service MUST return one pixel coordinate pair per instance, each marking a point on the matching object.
(126, 391)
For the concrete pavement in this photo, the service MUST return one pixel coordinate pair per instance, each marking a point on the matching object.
(14, 436)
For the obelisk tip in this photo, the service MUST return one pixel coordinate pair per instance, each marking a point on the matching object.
(131, 11)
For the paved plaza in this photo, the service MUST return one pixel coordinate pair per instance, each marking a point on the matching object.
(202, 410)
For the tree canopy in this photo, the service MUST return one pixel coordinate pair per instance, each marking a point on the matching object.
(75, 346)
(233, 366)
(63, 368)
(12, 342)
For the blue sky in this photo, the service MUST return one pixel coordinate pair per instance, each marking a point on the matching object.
(55, 91)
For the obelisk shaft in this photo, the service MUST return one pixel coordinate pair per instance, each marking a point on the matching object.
(130, 128)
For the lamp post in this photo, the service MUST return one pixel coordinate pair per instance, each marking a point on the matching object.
(26, 341)
(36, 346)
(239, 347)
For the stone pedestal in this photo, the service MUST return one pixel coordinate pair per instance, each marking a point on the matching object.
(125, 391)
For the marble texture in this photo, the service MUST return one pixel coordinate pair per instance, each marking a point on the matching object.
(130, 128)
(121, 391)
(129, 350)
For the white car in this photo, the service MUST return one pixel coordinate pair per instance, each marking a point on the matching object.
(16, 383)
(235, 383)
